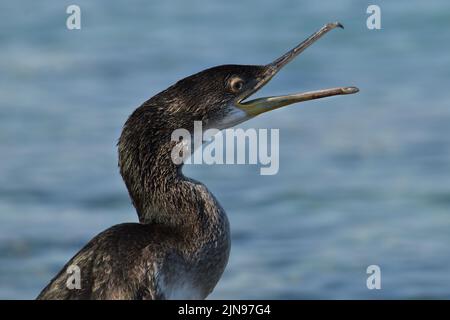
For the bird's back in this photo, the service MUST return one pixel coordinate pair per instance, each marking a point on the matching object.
(126, 261)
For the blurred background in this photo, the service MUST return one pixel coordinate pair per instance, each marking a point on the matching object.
(364, 179)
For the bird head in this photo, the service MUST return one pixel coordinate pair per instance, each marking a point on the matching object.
(220, 96)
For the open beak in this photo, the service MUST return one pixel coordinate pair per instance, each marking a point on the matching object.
(261, 105)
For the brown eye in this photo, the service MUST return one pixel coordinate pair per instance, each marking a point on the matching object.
(236, 84)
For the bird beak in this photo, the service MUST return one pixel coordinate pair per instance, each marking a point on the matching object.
(261, 105)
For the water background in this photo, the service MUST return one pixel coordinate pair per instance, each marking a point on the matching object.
(363, 179)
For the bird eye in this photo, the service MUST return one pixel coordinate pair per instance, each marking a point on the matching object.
(236, 84)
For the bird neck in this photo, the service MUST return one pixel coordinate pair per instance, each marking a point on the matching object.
(155, 183)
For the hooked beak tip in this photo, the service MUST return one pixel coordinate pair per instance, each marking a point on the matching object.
(338, 24)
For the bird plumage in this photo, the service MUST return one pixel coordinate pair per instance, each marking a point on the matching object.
(180, 247)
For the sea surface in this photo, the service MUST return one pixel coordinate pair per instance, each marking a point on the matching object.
(363, 179)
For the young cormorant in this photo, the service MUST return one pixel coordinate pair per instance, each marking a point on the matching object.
(180, 246)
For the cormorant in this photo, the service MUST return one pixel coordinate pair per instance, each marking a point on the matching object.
(180, 246)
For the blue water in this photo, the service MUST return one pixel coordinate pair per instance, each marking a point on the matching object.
(363, 180)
